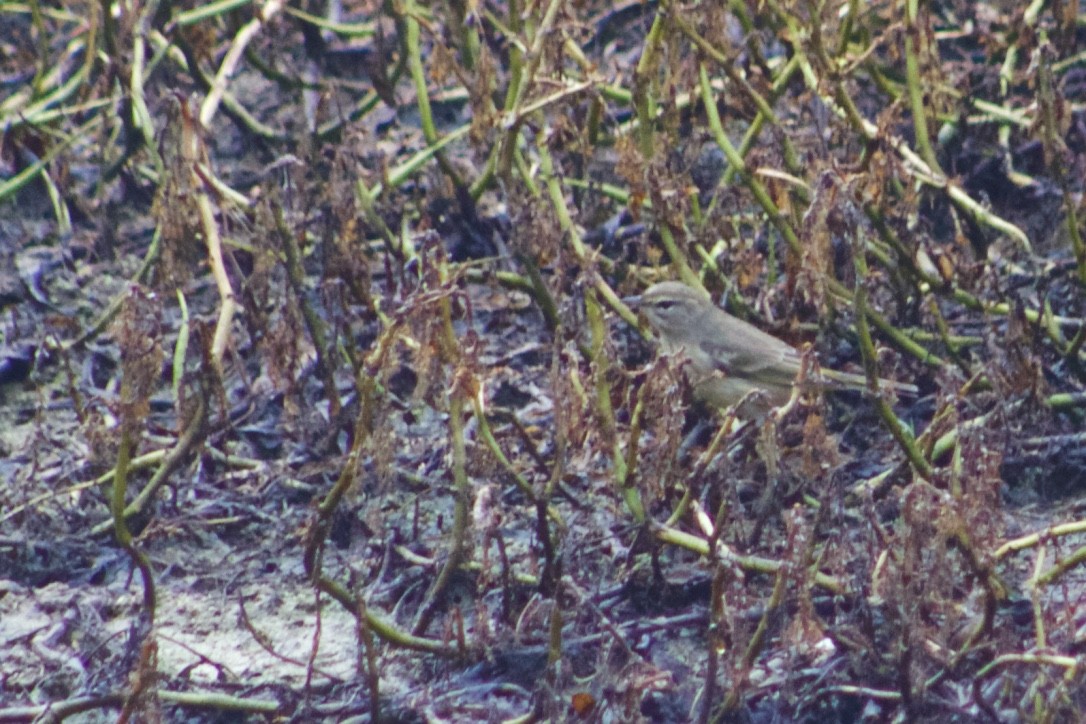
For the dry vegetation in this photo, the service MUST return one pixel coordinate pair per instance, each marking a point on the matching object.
(320, 399)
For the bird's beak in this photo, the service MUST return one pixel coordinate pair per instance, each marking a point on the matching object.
(634, 301)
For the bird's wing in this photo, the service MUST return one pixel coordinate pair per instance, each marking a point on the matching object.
(749, 352)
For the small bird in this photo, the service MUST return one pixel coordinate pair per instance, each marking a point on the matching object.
(730, 358)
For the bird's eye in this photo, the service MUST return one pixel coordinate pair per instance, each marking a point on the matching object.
(665, 304)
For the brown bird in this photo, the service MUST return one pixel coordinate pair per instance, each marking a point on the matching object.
(730, 358)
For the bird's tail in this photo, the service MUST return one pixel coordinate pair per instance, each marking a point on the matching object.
(848, 379)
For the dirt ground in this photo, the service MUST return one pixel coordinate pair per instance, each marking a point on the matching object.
(355, 357)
